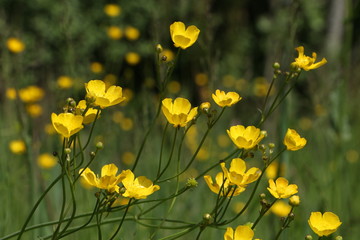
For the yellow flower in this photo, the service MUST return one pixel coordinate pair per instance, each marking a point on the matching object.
(281, 188)
(67, 124)
(182, 37)
(126, 124)
(128, 158)
(174, 87)
(34, 110)
(112, 10)
(103, 97)
(324, 224)
(225, 99)
(307, 63)
(294, 200)
(90, 114)
(108, 180)
(31, 94)
(237, 173)
(139, 187)
(49, 129)
(205, 106)
(46, 161)
(15, 45)
(132, 33)
(114, 32)
(11, 93)
(168, 54)
(293, 141)
(96, 67)
(132, 58)
(64, 82)
(220, 185)
(280, 209)
(17, 146)
(178, 113)
(246, 138)
(242, 232)
(201, 79)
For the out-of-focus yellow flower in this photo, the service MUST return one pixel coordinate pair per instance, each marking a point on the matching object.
(64, 82)
(17, 146)
(49, 129)
(149, 82)
(203, 154)
(114, 32)
(281, 188)
(118, 117)
(273, 170)
(305, 123)
(128, 158)
(294, 200)
(138, 188)
(246, 138)
(126, 124)
(108, 180)
(201, 79)
(237, 173)
(225, 187)
(261, 87)
(174, 87)
(11, 93)
(182, 37)
(132, 33)
(67, 124)
(46, 161)
(352, 156)
(103, 97)
(228, 81)
(324, 224)
(31, 94)
(96, 67)
(205, 106)
(293, 141)
(90, 114)
(241, 84)
(132, 58)
(34, 110)
(320, 110)
(109, 80)
(242, 232)
(223, 140)
(307, 63)
(168, 54)
(178, 113)
(15, 45)
(225, 99)
(280, 209)
(112, 10)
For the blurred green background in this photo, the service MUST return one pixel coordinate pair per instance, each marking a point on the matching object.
(59, 46)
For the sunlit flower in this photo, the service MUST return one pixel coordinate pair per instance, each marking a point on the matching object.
(112, 10)
(108, 180)
(293, 141)
(103, 97)
(132, 58)
(90, 114)
(280, 208)
(182, 37)
(237, 173)
(222, 185)
(139, 187)
(132, 33)
(294, 200)
(17, 146)
(246, 138)
(34, 110)
(96, 67)
(15, 45)
(242, 232)
(225, 99)
(179, 112)
(324, 224)
(114, 32)
(64, 82)
(67, 124)
(31, 94)
(46, 161)
(11, 93)
(205, 106)
(281, 188)
(307, 63)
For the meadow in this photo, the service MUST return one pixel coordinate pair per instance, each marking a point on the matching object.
(118, 123)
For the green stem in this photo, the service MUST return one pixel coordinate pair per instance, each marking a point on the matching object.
(262, 213)
(161, 148)
(179, 234)
(122, 220)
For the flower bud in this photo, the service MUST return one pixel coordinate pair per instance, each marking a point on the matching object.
(271, 145)
(308, 237)
(92, 154)
(205, 106)
(294, 200)
(207, 218)
(159, 48)
(276, 65)
(262, 196)
(191, 182)
(99, 145)
(67, 150)
(339, 238)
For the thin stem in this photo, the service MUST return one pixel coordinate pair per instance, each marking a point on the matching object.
(161, 148)
(262, 213)
(122, 220)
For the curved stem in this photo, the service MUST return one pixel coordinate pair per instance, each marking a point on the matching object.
(122, 220)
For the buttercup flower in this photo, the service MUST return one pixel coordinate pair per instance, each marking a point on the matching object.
(132, 33)
(103, 97)
(220, 185)
(17, 146)
(46, 161)
(246, 138)
(132, 58)
(15, 45)
(64, 82)
(307, 63)
(90, 114)
(281, 188)
(182, 37)
(67, 124)
(225, 99)
(324, 224)
(241, 233)
(237, 173)
(108, 180)
(34, 110)
(11, 93)
(31, 94)
(293, 141)
(178, 113)
(280, 209)
(139, 187)
(294, 200)
(112, 10)
(114, 32)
